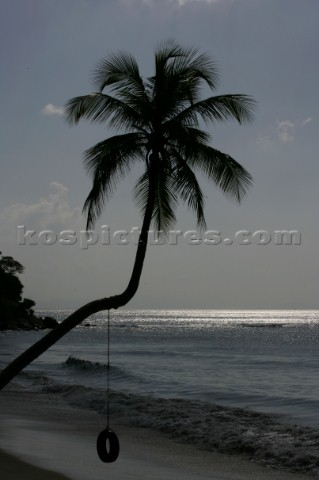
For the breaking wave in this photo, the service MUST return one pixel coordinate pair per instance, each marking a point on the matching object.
(263, 438)
(80, 364)
(96, 369)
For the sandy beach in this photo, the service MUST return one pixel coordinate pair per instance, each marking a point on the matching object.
(47, 433)
(12, 468)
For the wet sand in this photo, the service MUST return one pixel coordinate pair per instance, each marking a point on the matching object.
(42, 430)
(12, 468)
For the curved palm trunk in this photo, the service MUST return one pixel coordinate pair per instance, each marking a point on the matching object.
(95, 306)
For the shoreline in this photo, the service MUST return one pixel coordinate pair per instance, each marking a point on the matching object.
(13, 468)
(43, 430)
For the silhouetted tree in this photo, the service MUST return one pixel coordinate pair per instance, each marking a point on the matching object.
(11, 266)
(160, 117)
(13, 308)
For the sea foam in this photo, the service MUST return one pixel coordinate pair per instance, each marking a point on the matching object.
(263, 438)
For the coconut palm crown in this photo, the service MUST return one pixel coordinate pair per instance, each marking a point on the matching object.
(160, 118)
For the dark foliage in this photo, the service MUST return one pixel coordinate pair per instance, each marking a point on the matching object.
(16, 312)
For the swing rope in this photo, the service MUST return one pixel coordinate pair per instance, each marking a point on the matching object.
(107, 443)
(108, 372)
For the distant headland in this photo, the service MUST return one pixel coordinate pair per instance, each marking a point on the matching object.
(16, 313)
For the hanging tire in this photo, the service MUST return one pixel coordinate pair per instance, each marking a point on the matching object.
(110, 454)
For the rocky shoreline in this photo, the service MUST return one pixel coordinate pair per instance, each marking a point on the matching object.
(31, 322)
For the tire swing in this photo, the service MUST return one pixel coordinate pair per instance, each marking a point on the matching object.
(107, 443)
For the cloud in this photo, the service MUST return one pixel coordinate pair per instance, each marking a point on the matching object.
(306, 121)
(285, 130)
(51, 109)
(50, 212)
(183, 2)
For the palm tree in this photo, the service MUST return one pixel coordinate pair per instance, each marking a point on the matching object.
(160, 117)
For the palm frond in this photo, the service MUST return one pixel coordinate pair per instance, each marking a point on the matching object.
(166, 51)
(179, 73)
(180, 135)
(225, 107)
(102, 108)
(107, 162)
(175, 60)
(221, 107)
(165, 200)
(231, 177)
(193, 68)
(166, 203)
(120, 72)
(119, 68)
(187, 187)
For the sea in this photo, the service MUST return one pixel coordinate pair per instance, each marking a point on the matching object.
(243, 382)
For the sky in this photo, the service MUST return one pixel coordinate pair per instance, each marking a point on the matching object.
(263, 48)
